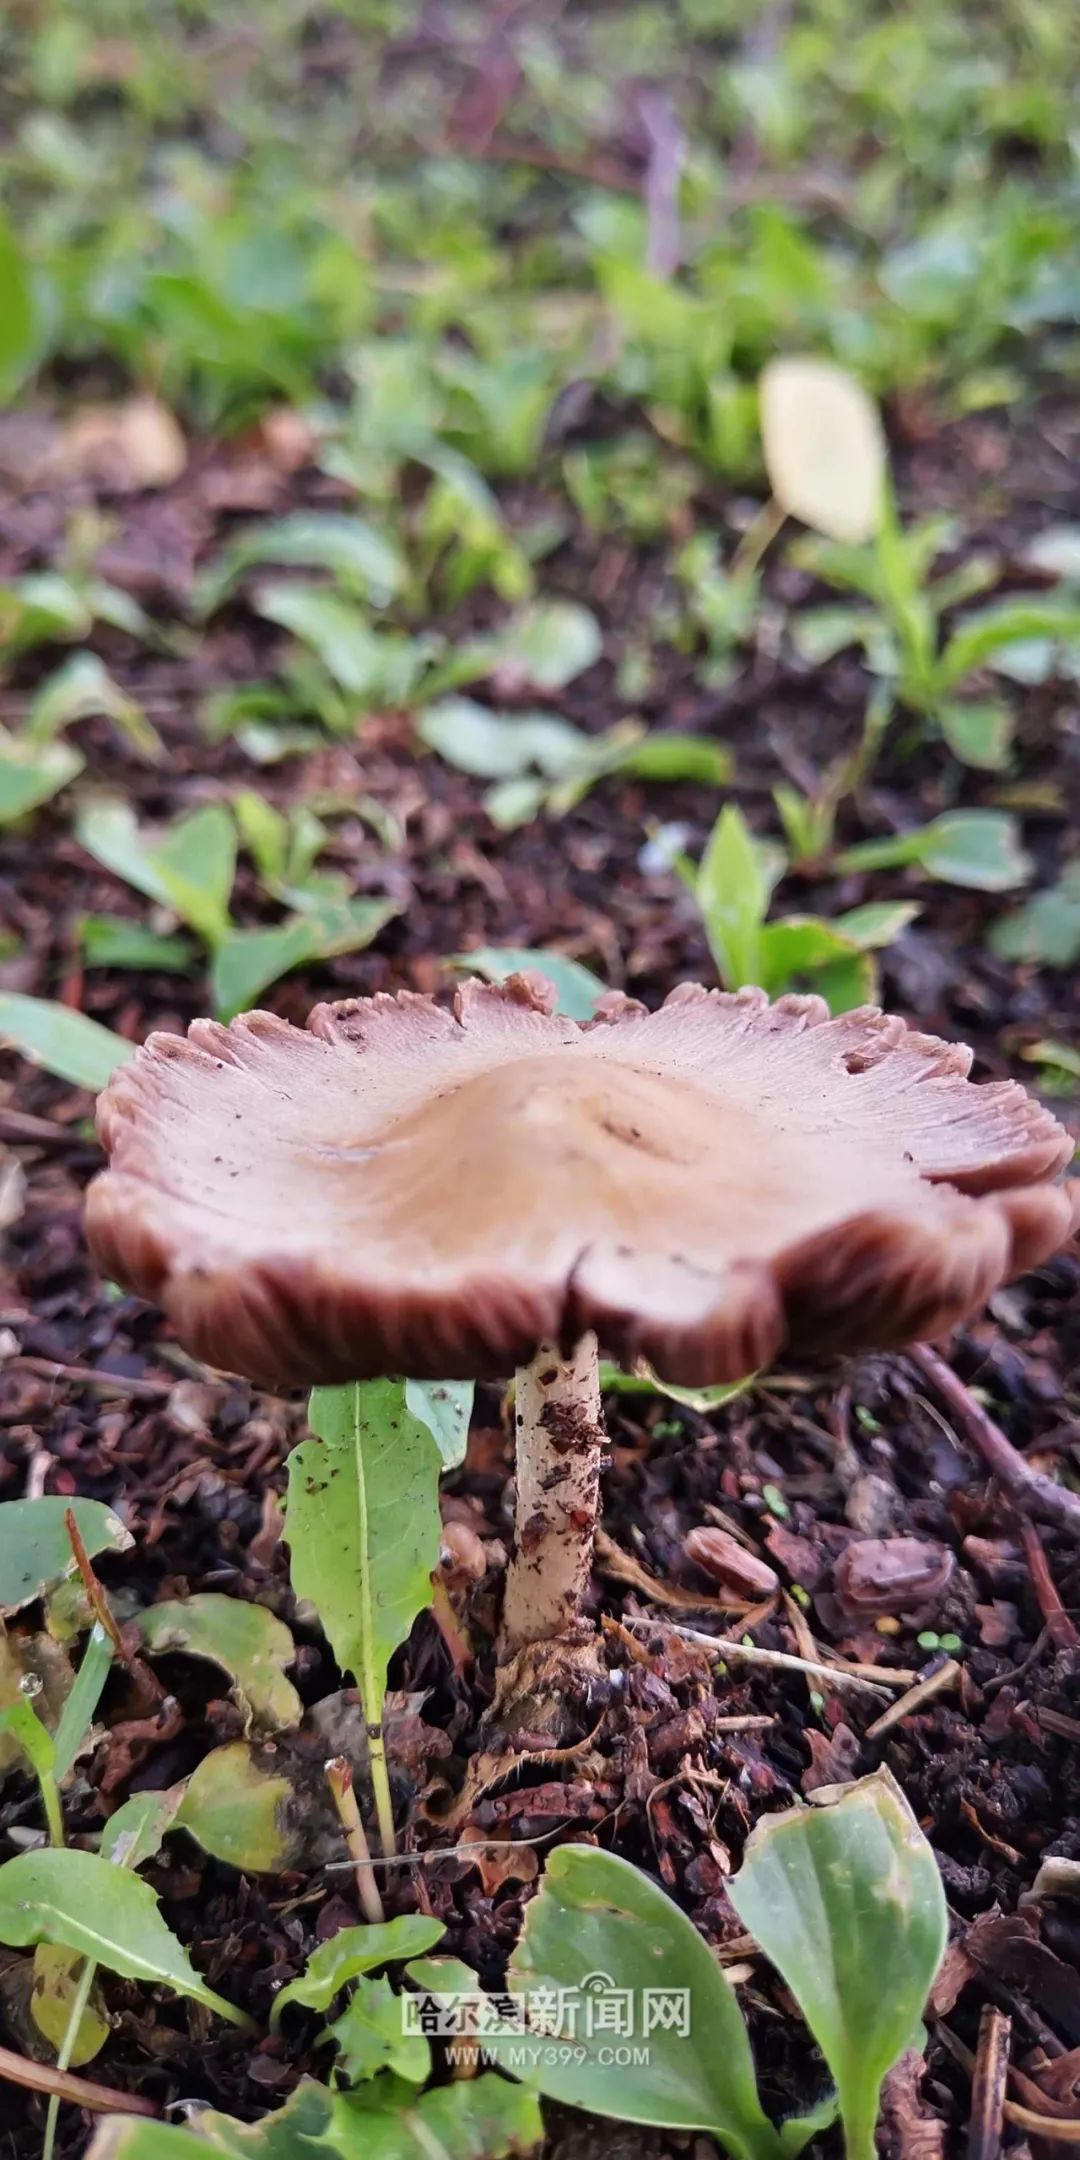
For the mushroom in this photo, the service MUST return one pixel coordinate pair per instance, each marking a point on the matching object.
(403, 1189)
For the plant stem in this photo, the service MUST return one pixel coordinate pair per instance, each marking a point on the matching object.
(380, 1786)
(340, 1780)
(560, 1441)
(54, 1813)
(78, 2005)
(758, 537)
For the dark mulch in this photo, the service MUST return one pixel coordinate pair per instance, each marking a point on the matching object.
(810, 1462)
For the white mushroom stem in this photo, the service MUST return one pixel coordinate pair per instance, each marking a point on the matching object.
(560, 1441)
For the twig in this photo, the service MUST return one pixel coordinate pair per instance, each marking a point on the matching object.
(781, 1660)
(464, 1851)
(935, 1682)
(1059, 1627)
(20, 1129)
(988, 2085)
(663, 172)
(340, 1780)
(95, 1595)
(88, 1376)
(1057, 2129)
(1028, 1489)
(42, 2078)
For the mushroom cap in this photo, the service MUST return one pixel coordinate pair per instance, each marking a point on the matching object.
(403, 1189)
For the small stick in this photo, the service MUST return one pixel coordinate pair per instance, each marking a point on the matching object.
(340, 1780)
(88, 1376)
(95, 1595)
(941, 1677)
(1058, 2129)
(781, 1660)
(988, 2085)
(64, 2085)
(1059, 1627)
(1028, 1489)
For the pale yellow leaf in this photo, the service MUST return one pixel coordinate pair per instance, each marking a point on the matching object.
(824, 447)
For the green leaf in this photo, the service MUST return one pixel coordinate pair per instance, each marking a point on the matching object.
(878, 923)
(32, 773)
(109, 831)
(137, 1830)
(979, 734)
(977, 848)
(445, 1407)
(668, 755)
(732, 889)
(42, 607)
(246, 962)
(104, 1912)
(1045, 932)
(116, 941)
(235, 1806)
(377, 667)
(643, 1381)
(80, 689)
(979, 638)
(368, 2037)
(361, 558)
(498, 746)
(482, 2118)
(77, 1715)
(840, 1898)
(362, 1522)
(596, 1915)
(818, 634)
(247, 1641)
(66, 1043)
(265, 834)
(579, 989)
(35, 1548)
(20, 1722)
(545, 645)
(196, 865)
(18, 314)
(356, 1950)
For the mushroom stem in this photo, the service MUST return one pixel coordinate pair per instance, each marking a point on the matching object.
(560, 1438)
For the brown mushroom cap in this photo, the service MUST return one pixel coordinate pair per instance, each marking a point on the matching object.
(402, 1189)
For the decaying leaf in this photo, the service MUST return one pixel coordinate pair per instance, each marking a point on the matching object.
(246, 1640)
(824, 447)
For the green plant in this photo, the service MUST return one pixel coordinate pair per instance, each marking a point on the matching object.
(541, 763)
(1046, 931)
(189, 869)
(362, 1522)
(834, 1895)
(921, 666)
(733, 885)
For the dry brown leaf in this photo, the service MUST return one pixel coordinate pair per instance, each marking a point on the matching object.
(126, 447)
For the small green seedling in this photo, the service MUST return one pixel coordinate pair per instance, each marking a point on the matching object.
(835, 1894)
(1046, 931)
(924, 668)
(189, 870)
(362, 1522)
(733, 887)
(539, 763)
